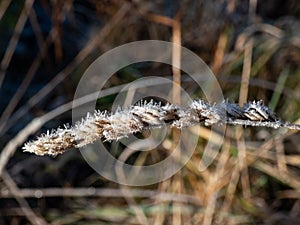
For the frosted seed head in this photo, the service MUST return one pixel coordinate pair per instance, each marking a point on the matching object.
(200, 105)
(149, 114)
(257, 111)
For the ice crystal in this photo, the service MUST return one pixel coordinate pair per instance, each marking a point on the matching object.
(124, 122)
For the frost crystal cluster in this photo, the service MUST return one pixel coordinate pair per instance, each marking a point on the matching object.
(150, 115)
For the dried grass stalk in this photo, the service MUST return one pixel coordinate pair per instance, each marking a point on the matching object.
(149, 115)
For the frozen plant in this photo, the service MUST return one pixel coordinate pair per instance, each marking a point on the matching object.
(146, 115)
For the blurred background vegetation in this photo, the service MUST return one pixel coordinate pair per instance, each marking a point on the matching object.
(253, 48)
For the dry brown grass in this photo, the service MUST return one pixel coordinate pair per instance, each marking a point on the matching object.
(253, 180)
